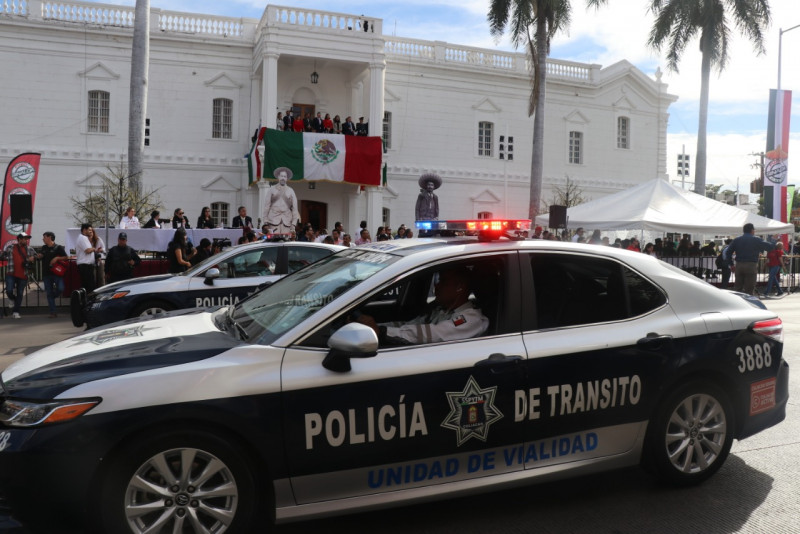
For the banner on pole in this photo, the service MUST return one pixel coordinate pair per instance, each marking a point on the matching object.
(776, 157)
(22, 174)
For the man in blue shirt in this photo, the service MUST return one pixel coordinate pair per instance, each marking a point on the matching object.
(745, 250)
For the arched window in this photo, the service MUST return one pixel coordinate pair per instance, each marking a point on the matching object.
(485, 135)
(623, 132)
(99, 105)
(219, 212)
(222, 122)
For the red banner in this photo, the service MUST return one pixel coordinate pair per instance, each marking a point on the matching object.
(21, 176)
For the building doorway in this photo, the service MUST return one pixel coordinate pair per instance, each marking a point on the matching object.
(315, 213)
(300, 110)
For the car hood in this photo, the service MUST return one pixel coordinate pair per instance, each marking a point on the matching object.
(113, 286)
(120, 349)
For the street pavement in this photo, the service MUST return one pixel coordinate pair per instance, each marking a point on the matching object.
(754, 492)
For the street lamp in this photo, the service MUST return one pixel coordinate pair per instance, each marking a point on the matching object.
(780, 42)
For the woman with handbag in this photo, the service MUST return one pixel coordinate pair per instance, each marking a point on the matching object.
(54, 267)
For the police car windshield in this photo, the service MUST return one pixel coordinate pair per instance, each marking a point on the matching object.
(275, 310)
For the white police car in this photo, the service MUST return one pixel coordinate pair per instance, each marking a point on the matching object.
(222, 279)
(285, 406)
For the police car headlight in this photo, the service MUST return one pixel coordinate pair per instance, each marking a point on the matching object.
(110, 296)
(29, 414)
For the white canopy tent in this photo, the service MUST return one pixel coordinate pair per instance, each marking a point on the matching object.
(658, 206)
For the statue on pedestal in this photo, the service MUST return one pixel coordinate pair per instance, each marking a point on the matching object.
(427, 208)
(280, 212)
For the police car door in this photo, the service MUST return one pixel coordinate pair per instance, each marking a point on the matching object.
(412, 416)
(598, 335)
(240, 275)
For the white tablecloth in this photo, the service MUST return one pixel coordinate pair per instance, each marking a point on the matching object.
(153, 239)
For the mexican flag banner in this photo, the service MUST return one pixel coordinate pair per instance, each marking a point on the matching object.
(320, 156)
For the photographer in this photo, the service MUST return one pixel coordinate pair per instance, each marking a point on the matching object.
(20, 259)
(179, 252)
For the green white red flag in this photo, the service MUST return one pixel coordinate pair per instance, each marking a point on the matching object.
(320, 156)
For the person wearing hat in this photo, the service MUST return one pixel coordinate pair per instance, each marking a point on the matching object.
(121, 260)
(427, 202)
(19, 256)
(280, 212)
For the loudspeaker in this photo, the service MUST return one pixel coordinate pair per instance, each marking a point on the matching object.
(558, 217)
(21, 211)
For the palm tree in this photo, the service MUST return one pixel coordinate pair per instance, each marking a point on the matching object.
(679, 21)
(140, 59)
(547, 17)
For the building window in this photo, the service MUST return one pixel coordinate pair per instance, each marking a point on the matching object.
(219, 212)
(386, 213)
(484, 215)
(387, 130)
(222, 127)
(576, 147)
(623, 132)
(485, 136)
(98, 111)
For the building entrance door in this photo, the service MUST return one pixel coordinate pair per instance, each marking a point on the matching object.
(315, 213)
(300, 110)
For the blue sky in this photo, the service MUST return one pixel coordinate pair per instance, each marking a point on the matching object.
(738, 97)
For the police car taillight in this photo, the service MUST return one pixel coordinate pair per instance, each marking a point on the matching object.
(772, 328)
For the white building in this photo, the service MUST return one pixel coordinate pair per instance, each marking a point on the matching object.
(442, 108)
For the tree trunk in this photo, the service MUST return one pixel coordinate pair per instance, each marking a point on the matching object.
(537, 157)
(702, 126)
(140, 60)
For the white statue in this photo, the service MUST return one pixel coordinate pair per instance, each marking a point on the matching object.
(280, 212)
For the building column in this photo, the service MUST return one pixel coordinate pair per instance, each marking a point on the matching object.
(377, 73)
(374, 210)
(269, 89)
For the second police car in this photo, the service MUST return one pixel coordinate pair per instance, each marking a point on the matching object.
(222, 279)
(284, 406)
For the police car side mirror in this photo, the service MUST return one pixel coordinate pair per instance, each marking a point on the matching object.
(210, 275)
(353, 340)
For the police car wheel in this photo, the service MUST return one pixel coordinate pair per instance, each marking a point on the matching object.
(691, 434)
(188, 482)
(77, 302)
(151, 308)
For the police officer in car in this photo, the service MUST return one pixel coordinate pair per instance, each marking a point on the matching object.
(451, 318)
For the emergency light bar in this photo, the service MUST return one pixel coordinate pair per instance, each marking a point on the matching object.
(486, 228)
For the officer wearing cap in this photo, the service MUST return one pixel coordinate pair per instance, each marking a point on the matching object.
(121, 260)
(19, 256)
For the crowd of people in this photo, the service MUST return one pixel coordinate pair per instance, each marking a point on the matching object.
(319, 124)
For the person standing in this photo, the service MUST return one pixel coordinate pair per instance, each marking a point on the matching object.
(317, 123)
(348, 128)
(129, 220)
(287, 121)
(327, 124)
(745, 250)
(279, 122)
(19, 255)
(725, 262)
(87, 253)
(52, 256)
(775, 264)
(121, 260)
(362, 128)
(337, 125)
(179, 252)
